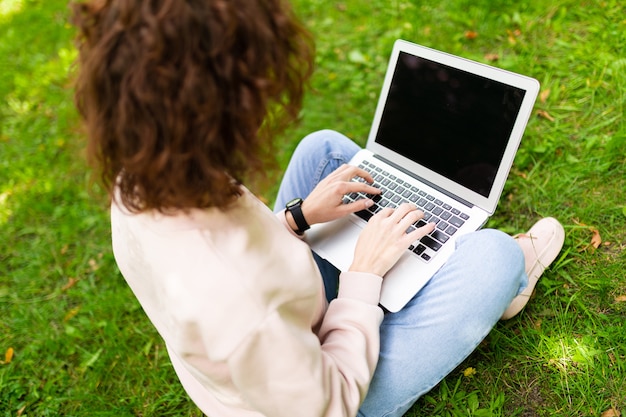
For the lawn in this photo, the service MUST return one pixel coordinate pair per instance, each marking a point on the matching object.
(73, 340)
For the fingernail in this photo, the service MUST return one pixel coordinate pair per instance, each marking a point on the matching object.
(369, 203)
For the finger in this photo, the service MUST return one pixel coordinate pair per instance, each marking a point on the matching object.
(403, 210)
(360, 187)
(358, 205)
(350, 171)
(412, 217)
(386, 212)
(365, 175)
(339, 172)
(406, 225)
(420, 232)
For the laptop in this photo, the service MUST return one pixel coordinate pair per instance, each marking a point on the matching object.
(444, 137)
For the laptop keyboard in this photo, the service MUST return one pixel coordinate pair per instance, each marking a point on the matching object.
(395, 191)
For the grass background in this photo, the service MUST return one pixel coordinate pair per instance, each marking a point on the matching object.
(73, 340)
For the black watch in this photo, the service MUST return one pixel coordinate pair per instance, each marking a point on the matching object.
(295, 208)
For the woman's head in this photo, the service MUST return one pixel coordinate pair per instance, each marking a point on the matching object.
(178, 95)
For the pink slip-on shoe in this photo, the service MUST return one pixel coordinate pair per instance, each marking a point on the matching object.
(541, 245)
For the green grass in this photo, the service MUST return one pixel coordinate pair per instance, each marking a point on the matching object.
(83, 346)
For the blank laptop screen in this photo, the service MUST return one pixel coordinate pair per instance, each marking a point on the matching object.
(455, 123)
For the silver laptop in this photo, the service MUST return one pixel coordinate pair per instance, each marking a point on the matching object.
(444, 137)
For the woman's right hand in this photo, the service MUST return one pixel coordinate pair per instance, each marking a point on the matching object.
(325, 203)
(384, 239)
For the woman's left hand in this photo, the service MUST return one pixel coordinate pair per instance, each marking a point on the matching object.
(325, 203)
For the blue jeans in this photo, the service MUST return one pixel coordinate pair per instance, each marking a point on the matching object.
(446, 320)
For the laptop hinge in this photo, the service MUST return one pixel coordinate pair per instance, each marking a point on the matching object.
(430, 184)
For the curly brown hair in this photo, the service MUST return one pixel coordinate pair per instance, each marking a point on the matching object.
(181, 98)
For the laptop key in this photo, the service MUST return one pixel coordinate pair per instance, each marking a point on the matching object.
(364, 214)
(419, 249)
(431, 243)
(419, 224)
(456, 222)
(440, 236)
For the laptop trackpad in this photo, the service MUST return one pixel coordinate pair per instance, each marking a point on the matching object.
(335, 241)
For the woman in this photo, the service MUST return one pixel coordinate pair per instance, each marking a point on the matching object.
(181, 101)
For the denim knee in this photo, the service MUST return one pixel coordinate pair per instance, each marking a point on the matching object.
(326, 142)
(498, 247)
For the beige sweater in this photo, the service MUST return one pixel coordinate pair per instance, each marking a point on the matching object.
(239, 302)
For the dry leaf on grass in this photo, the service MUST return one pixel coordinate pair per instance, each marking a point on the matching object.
(543, 96)
(620, 299)
(93, 265)
(596, 239)
(70, 283)
(8, 356)
(470, 34)
(611, 413)
(71, 314)
(545, 115)
(492, 57)
(513, 35)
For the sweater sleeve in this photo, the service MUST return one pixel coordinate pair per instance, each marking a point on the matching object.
(281, 217)
(284, 369)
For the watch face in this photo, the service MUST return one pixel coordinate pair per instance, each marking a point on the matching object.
(294, 202)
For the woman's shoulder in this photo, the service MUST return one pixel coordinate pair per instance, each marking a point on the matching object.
(245, 250)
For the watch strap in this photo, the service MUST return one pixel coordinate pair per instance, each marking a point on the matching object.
(295, 208)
